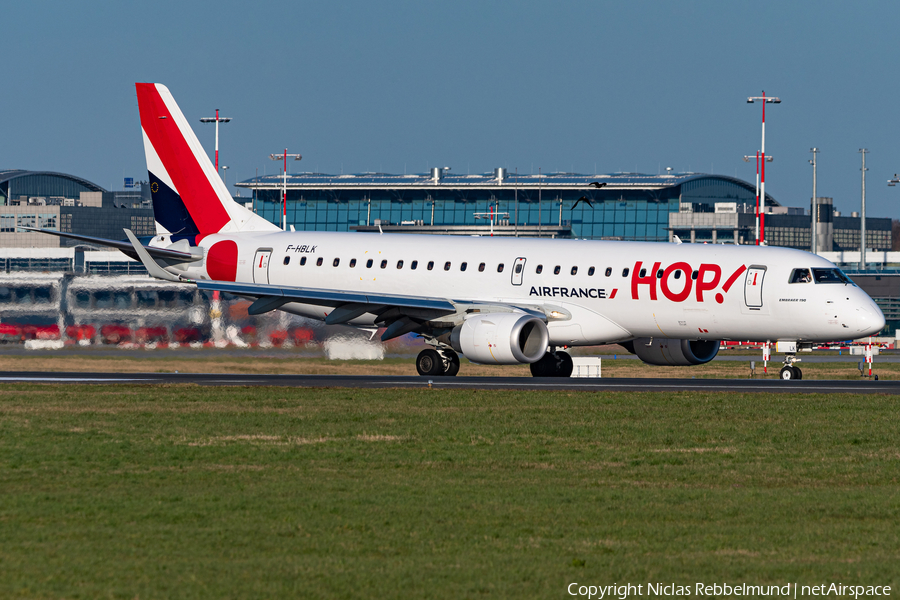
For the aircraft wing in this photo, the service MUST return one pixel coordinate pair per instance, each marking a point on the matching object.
(401, 314)
(323, 297)
(125, 247)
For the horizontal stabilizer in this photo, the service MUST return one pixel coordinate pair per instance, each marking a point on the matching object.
(149, 262)
(126, 247)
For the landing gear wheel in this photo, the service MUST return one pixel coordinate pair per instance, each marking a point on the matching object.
(564, 366)
(553, 364)
(798, 374)
(429, 362)
(545, 367)
(452, 364)
(788, 372)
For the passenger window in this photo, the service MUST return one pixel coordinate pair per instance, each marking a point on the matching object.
(659, 274)
(574, 270)
(337, 261)
(625, 272)
(643, 273)
(287, 259)
(463, 266)
(430, 265)
(369, 264)
(447, 266)
(591, 272)
(800, 276)
(678, 274)
(302, 260)
(608, 271)
(518, 268)
(539, 269)
(694, 275)
(399, 264)
(413, 265)
(481, 268)
(500, 268)
(352, 262)
(556, 270)
(319, 262)
(384, 264)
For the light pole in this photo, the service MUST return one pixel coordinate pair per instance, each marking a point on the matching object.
(762, 187)
(862, 215)
(815, 206)
(747, 159)
(224, 177)
(284, 157)
(216, 120)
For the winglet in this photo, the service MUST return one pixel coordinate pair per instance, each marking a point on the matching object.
(151, 265)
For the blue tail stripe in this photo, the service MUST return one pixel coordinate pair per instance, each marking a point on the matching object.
(169, 210)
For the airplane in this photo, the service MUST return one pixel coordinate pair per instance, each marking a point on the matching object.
(493, 300)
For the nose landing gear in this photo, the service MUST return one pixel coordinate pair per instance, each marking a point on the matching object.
(789, 371)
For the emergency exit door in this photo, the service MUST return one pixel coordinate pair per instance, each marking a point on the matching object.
(518, 271)
(261, 265)
(753, 286)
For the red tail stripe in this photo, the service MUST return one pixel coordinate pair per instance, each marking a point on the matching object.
(733, 278)
(176, 155)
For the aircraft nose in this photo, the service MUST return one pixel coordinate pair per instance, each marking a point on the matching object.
(869, 318)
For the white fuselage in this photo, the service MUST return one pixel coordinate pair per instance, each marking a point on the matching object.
(599, 291)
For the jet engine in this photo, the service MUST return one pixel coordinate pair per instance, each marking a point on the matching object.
(501, 338)
(674, 353)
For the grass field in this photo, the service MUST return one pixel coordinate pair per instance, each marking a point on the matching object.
(209, 361)
(191, 492)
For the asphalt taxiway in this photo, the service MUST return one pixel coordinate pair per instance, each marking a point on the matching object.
(854, 386)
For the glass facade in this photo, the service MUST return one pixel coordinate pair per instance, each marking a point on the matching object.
(632, 207)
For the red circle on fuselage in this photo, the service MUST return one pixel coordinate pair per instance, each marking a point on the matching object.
(221, 261)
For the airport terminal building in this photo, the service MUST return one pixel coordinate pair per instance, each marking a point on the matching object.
(51, 200)
(628, 206)
(621, 206)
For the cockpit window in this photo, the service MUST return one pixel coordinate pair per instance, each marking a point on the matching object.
(830, 276)
(800, 276)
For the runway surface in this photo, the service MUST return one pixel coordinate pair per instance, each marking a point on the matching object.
(860, 386)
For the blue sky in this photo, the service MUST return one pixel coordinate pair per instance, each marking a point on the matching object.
(403, 86)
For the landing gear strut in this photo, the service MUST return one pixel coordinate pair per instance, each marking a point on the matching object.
(553, 364)
(437, 363)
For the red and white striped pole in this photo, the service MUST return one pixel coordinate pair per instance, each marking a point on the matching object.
(762, 184)
(216, 120)
(757, 197)
(762, 158)
(284, 157)
(217, 140)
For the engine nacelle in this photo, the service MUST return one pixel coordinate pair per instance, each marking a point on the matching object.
(501, 338)
(674, 353)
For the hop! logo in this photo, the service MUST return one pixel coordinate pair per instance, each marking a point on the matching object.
(678, 288)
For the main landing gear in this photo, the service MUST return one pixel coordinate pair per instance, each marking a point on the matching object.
(789, 371)
(553, 364)
(437, 363)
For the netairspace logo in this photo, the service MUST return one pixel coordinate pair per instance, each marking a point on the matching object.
(790, 590)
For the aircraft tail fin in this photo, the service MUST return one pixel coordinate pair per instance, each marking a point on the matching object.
(189, 198)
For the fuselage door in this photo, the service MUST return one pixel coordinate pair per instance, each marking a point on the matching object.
(261, 265)
(518, 271)
(753, 286)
